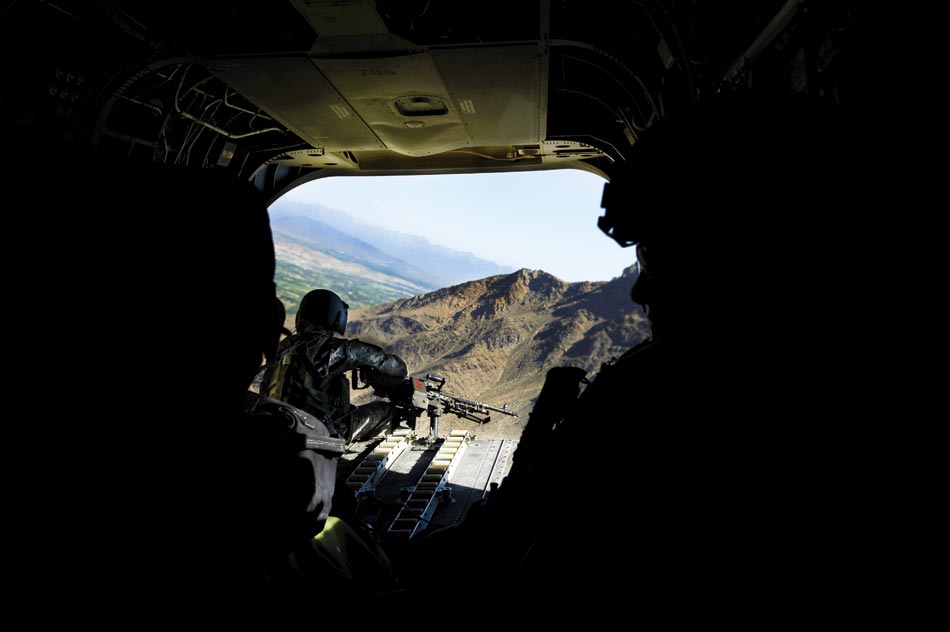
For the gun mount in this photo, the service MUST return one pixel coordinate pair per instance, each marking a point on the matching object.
(411, 396)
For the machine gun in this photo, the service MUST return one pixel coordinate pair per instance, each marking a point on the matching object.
(411, 396)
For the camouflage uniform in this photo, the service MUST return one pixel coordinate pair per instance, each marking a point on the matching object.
(309, 373)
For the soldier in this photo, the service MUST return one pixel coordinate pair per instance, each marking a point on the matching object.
(310, 370)
(716, 491)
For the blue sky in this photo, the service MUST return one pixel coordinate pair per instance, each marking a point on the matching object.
(543, 220)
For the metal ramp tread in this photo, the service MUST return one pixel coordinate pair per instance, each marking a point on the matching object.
(424, 497)
(375, 465)
(483, 467)
(406, 479)
(501, 466)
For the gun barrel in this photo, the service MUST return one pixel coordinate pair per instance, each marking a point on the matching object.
(472, 404)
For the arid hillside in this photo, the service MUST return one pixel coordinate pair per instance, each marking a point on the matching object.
(494, 339)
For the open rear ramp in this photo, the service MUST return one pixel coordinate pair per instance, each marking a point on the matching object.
(404, 485)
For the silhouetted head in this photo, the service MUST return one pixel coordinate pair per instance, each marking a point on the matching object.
(322, 309)
(201, 237)
(731, 205)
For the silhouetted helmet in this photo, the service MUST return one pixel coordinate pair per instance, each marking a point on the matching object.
(322, 308)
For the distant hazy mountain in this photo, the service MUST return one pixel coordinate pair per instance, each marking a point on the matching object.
(302, 267)
(494, 339)
(425, 262)
(325, 238)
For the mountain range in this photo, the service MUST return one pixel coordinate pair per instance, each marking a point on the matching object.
(408, 257)
(304, 264)
(494, 339)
